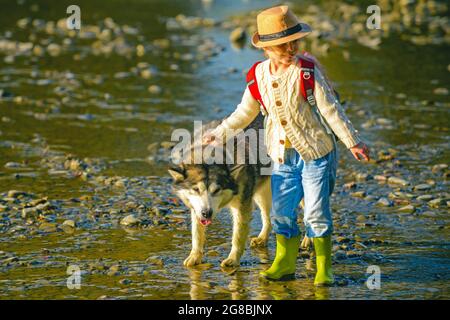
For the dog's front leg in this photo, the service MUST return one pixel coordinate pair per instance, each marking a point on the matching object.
(241, 226)
(198, 242)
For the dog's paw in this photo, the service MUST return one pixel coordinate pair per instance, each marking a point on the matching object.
(258, 242)
(193, 260)
(229, 262)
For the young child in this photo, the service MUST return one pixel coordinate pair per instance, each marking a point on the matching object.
(300, 141)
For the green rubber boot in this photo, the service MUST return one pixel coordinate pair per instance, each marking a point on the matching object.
(283, 266)
(324, 274)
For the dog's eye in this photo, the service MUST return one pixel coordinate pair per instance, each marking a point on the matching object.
(196, 189)
(215, 191)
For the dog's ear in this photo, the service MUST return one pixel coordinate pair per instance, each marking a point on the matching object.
(178, 173)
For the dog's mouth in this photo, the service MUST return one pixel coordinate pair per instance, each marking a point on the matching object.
(205, 221)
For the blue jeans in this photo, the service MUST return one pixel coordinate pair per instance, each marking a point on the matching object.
(295, 179)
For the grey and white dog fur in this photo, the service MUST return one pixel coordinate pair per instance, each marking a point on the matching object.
(207, 188)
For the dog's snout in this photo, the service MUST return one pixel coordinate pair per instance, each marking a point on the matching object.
(206, 213)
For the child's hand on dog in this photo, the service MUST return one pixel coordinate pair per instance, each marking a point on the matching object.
(360, 152)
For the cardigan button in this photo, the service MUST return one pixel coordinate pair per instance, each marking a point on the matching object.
(283, 122)
(282, 141)
(278, 103)
(280, 160)
(275, 85)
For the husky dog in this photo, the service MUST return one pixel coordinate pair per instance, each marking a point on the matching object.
(207, 188)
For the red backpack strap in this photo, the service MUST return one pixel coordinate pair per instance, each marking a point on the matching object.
(253, 85)
(307, 79)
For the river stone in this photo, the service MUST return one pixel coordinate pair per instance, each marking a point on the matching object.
(154, 89)
(435, 203)
(384, 202)
(130, 221)
(358, 194)
(350, 185)
(425, 197)
(360, 218)
(125, 281)
(429, 214)
(363, 176)
(422, 187)
(69, 223)
(407, 209)
(16, 193)
(47, 227)
(10, 260)
(146, 73)
(28, 213)
(120, 183)
(12, 165)
(441, 91)
(154, 260)
(352, 254)
(238, 35)
(395, 180)
(115, 268)
(439, 167)
(370, 198)
(380, 178)
(342, 239)
(54, 49)
(112, 273)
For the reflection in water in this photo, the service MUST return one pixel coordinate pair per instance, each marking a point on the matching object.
(322, 293)
(197, 291)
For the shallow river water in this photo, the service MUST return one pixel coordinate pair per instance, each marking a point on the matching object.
(85, 127)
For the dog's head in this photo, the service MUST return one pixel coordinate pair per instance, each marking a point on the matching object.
(205, 189)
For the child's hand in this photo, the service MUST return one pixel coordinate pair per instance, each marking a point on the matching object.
(360, 151)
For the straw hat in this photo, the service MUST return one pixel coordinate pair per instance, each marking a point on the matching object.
(278, 25)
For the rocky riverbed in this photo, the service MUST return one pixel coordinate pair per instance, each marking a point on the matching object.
(86, 119)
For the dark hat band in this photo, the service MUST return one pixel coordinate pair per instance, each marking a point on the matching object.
(281, 34)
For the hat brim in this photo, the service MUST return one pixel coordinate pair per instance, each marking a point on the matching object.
(261, 44)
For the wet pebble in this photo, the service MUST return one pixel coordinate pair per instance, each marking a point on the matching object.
(29, 213)
(47, 227)
(155, 89)
(125, 281)
(380, 178)
(425, 197)
(441, 91)
(435, 203)
(11, 165)
(361, 218)
(350, 185)
(422, 187)
(16, 193)
(407, 209)
(429, 214)
(358, 194)
(384, 202)
(439, 167)
(400, 181)
(154, 260)
(130, 221)
(238, 35)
